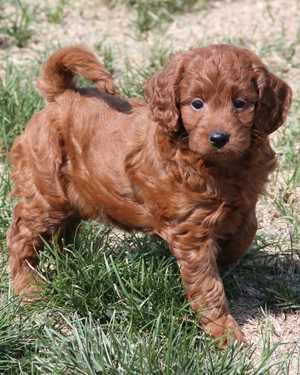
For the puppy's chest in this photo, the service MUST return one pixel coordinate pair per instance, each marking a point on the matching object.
(218, 207)
(207, 203)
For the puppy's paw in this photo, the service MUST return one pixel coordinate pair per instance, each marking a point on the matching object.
(31, 294)
(27, 286)
(226, 331)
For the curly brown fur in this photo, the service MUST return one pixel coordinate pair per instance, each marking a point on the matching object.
(154, 166)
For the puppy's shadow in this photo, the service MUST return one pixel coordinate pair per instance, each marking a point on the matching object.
(263, 279)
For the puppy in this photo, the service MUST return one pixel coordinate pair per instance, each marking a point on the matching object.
(188, 164)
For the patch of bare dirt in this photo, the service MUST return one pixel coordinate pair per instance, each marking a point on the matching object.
(263, 329)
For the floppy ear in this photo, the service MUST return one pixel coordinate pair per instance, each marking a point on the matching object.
(275, 98)
(161, 92)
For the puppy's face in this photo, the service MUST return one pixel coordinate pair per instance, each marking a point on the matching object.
(217, 105)
(221, 97)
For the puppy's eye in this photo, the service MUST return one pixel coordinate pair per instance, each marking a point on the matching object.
(239, 103)
(197, 104)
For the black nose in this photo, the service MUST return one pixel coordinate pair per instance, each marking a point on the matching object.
(218, 139)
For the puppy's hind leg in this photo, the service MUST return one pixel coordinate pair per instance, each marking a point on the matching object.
(32, 221)
(236, 246)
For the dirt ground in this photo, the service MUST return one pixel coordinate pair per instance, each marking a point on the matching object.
(90, 22)
(257, 23)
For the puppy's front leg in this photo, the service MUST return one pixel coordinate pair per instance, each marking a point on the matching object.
(204, 287)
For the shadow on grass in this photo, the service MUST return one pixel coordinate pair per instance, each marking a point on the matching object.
(266, 278)
(135, 275)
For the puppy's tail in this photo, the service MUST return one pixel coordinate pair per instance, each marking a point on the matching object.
(58, 72)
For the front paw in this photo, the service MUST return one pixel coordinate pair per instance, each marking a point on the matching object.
(225, 330)
(27, 286)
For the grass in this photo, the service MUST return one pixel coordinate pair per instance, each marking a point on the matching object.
(17, 22)
(107, 54)
(55, 14)
(134, 77)
(150, 14)
(18, 102)
(113, 303)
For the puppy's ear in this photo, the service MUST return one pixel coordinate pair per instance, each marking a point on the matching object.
(161, 92)
(275, 98)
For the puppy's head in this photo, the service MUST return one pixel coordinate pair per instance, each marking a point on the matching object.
(217, 99)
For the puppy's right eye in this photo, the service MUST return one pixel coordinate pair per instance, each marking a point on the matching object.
(197, 104)
(239, 103)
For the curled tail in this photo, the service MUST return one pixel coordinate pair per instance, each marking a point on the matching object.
(58, 72)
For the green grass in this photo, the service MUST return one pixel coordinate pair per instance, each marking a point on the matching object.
(17, 22)
(55, 14)
(133, 78)
(151, 14)
(107, 54)
(113, 303)
(18, 101)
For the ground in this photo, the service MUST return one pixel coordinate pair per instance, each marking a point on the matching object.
(264, 289)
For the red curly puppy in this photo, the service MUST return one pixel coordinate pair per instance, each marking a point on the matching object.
(188, 164)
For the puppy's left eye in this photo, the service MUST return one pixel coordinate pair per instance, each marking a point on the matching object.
(197, 104)
(239, 103)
